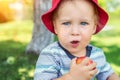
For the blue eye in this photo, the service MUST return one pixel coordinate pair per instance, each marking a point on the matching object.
(66, 23)
(84, 23)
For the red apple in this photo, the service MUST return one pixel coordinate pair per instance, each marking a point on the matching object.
(79, 59)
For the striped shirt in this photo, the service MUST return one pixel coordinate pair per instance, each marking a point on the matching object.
(54, 61)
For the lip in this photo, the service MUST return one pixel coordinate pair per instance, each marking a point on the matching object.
(74, 43)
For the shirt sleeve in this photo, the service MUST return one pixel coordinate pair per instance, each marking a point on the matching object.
(105, 70)
(47, 66)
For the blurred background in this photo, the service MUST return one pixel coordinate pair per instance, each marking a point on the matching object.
(19, 26)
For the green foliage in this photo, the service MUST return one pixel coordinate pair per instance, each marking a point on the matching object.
(102, 3)
(112, 6)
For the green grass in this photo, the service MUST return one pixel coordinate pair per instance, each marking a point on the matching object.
(15, 36)
(14, 63)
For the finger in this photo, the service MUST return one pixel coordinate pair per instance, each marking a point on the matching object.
(92, 66)
(73, 61)
(85, 61)
(93, 72)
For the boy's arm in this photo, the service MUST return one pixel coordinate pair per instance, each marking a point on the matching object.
(113, 77)
(65, 77)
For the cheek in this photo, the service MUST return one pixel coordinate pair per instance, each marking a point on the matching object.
(61, 31)
(86, 36)
(91, 31)
(57, 29)
(62, 36)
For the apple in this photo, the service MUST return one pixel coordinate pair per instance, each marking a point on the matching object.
(79, 60)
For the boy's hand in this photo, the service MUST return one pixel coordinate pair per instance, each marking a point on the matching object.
(82, 69)
(79, 60)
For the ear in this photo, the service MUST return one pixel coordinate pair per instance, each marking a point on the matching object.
(55, 29)
(94, 29)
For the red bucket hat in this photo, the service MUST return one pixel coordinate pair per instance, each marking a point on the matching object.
(47, 17)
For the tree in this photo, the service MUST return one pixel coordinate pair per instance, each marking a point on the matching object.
(41, 37)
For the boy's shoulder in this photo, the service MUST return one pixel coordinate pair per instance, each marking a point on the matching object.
(95, 48)
(97, 52)
(52, 48)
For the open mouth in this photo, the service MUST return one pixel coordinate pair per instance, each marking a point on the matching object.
(74, 43)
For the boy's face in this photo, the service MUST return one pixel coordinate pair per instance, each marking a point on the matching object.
(74, 25)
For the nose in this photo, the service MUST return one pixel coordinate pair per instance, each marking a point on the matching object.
(75, 30)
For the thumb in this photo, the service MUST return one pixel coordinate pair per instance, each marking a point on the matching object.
(73, 61)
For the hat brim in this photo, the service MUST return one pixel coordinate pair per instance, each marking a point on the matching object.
(47, 17)
(103, 18)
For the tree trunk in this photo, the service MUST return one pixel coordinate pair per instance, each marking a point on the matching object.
(41, 37)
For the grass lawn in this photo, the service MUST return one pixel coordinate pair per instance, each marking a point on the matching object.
(16, 65)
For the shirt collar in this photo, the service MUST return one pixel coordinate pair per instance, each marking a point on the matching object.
(88, 51)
